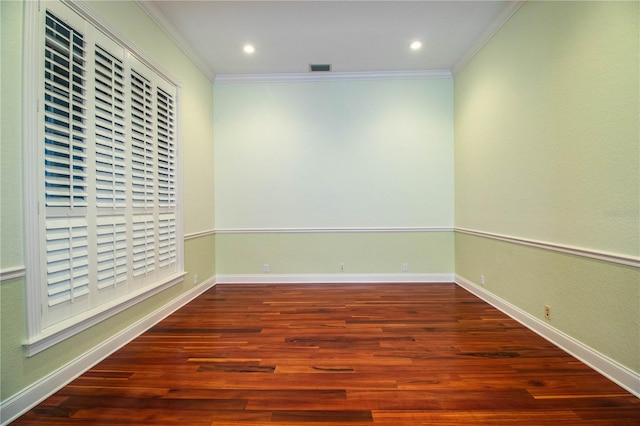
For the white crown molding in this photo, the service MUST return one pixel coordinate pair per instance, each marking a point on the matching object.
(560, 248)
(170, 30)
(491, 30)
(332, 230)
(333, 278)
(331, 76)
(599, 362)
(18, 404)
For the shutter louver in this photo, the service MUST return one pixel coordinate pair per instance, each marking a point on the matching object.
(64, 116)
(166, 149)
(167, 239)
(67, 259)
(110, 130)
(142, 146)
(112, 251)
(143, 245)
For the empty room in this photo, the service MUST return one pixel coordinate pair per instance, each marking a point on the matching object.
(320, 212)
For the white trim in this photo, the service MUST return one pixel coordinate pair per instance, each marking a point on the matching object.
(331, 76)
(560, 248)
(29, 397)
(332, 230)
(30, 169)
(161, 20)
(488, 34)
(200, 234)
(74, 325)
(179, 183)
(332, 278)
(11, 273)
(604, 365)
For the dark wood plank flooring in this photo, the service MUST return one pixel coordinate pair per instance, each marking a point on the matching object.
(338, 354)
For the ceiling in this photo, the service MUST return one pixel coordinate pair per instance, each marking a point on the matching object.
(352, 36)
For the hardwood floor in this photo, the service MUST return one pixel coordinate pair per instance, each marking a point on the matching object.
(339, 354)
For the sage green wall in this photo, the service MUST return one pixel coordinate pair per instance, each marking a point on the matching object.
(595, 302)
(10, 135)
(323, 252)
(333, 154)
(547, 148)
(196, 153)
(200, 263)
(19, 371)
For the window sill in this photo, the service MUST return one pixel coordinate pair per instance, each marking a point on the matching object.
(59, 332)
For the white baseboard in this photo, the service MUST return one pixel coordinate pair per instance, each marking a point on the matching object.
(29, 397)
(615, 372)
(332, 278)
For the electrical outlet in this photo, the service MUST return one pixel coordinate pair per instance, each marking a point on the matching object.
(265, 268)
(482, 280)
(342, 267)
(405, 267)
(547, 312)
(195, 279)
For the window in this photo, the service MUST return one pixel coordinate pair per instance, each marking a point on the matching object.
(105, 178)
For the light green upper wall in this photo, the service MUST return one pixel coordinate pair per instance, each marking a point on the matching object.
(547, 128)
(334, 154)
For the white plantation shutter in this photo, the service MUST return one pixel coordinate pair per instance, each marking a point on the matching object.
(66, 272)
(166, 177)
(107, 173)
(143, 245)
(110, 127)
(166, 149)
(142, 143)
(111, 259)
(67, 251)
(65, 115)
(167, 239)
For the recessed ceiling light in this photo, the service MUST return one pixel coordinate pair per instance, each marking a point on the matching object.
(415, 45)
(248, 48)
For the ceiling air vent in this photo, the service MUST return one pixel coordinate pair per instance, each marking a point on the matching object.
(319, 67)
